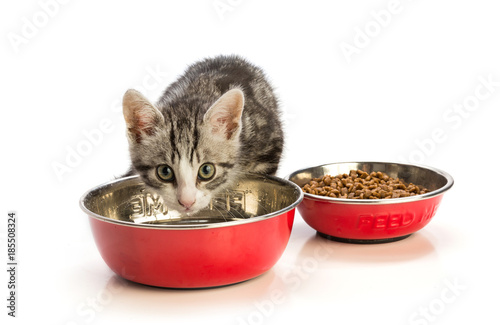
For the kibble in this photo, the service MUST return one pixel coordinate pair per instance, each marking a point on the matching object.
(362, 185)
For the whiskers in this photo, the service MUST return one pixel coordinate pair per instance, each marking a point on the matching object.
(219, 210)
(228, 215)
(230, 205)
(236, 205)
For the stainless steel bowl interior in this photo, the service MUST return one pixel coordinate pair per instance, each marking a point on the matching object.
(127, 201)
(435, 180)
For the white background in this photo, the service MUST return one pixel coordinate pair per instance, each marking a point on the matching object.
(410, 74)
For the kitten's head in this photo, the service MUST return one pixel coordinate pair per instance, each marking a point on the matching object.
(186, 155)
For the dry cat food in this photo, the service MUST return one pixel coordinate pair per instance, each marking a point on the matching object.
(361, 185)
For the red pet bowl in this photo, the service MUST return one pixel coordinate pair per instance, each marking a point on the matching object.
(240, 236)
(372, 220)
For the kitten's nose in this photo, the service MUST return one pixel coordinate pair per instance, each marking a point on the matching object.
(186, 202)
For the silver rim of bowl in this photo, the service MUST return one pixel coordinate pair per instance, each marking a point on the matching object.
(439, 191)
(190, 226)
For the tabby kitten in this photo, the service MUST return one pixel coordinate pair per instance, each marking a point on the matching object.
(218, 121)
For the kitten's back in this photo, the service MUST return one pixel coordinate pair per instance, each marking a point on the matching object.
(205, 81)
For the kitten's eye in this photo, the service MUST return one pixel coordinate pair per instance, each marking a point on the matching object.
(206, 171)
(165, 173)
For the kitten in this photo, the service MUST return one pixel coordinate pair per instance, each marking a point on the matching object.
(218, 121)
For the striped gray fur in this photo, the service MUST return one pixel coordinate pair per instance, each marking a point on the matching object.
(197, 121)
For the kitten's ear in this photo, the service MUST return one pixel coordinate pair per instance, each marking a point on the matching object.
(141, 116)
(224, 116)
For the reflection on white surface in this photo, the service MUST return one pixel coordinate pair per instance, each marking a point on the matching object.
(403, 282)
(313, 268)
(411, 248)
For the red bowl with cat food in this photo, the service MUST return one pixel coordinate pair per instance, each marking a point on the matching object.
(241, 235)
(368, 215)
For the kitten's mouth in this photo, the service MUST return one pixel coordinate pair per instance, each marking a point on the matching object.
(187, 211)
